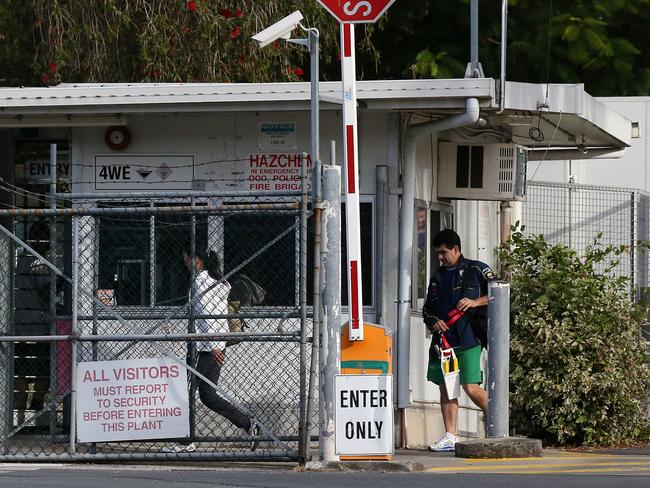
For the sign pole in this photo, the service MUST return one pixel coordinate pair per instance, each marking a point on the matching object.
(351, 157)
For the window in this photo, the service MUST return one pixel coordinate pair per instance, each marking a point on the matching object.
(435, 223)
(421, 252)
(124, 259)
(172, 236)
(141, 258)
(367, 226)
(439, 220)
(469, 166)
(275, 269)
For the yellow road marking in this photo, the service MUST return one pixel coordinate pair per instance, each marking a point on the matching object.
(590, 470)
(535, 466)
(571, 456)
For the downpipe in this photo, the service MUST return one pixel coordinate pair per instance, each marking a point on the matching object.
(469, 117)
(504, 53)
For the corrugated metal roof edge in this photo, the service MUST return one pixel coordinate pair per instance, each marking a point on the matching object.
(100, 94)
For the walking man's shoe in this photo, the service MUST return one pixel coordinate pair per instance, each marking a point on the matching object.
(446, 443)
(176, 448)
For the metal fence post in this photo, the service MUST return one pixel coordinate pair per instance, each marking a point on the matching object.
(302, 435)
(52, 303)
(6, 356)
(316, 266)
(331, 308)
(498, 359)
(74, 331)
(191, 328)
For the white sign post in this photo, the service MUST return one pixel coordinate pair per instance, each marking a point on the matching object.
(364, 414)
(131, 400)
(349, 12)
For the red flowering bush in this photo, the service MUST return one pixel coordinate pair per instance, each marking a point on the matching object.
(189, 40)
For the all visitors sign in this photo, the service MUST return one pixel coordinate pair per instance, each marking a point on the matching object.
(131, 399)
(357, 11)
(364, 414)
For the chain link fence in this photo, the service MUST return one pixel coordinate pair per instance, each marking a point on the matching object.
(167, 279)
(575, 215)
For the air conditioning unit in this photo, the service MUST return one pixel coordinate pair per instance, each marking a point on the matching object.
(482, 171)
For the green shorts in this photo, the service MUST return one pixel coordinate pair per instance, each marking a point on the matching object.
(469, 362)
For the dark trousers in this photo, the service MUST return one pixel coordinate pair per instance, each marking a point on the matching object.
(211, 370)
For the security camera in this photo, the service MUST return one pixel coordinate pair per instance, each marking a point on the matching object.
(280, 30)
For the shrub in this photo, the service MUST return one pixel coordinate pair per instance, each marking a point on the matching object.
(578, 369)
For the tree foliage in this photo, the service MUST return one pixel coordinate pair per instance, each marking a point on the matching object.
(156, 40)
(602, 43)
(578, 370)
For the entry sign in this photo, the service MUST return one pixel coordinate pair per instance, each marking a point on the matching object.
(357, 11)
(131, 399)
(364, 414)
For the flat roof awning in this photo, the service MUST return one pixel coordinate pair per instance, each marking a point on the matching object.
(568, 117)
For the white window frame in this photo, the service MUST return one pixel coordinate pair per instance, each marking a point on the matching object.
(446, 218)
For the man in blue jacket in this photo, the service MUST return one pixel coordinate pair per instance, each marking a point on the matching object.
(459, 284)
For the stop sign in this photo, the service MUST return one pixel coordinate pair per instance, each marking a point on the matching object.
(357, 11)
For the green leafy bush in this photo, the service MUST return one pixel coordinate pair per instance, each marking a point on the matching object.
(578, 370)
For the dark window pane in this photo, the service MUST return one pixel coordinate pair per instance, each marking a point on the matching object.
(477, 167)
(173, 234)
(124, 258)
(422, 252)
(436, 226)
(274, 269)
(366, 254)
(462, 166)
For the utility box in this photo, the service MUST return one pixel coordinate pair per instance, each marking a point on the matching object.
(482, 171)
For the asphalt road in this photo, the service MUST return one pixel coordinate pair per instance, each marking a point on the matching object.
(35, 476)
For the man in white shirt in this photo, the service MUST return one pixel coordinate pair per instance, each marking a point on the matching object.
(209, 296)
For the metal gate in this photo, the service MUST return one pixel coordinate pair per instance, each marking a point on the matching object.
(125, 289)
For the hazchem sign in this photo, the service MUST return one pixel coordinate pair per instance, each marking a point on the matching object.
(364, 414)
(277, 172)
(131, 399)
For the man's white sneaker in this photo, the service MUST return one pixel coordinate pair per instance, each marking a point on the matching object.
(446, 443)
(175, 448)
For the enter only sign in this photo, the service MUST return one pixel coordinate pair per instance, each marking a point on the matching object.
(364, 414)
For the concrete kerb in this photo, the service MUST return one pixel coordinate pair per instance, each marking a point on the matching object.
(378, 466)
(499, 448)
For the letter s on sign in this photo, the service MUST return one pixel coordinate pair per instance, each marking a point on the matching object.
(352, 7)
